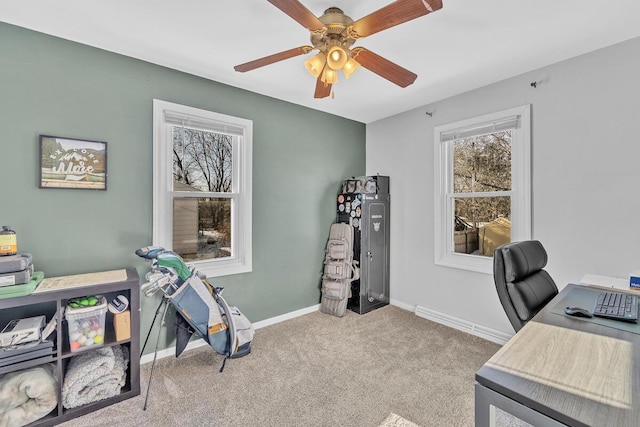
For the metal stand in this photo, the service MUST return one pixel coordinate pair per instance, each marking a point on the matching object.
(164, 302)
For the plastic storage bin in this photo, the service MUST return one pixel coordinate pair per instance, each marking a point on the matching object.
(86, 325)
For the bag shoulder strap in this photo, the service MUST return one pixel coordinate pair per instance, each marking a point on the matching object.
(231, 322)
(216, 292)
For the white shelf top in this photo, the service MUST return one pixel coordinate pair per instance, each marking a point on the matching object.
(613, 282)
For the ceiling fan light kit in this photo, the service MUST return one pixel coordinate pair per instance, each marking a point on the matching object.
(336, 58)
(329, 76)
(315, 64)
(333, 34)
(350, 67)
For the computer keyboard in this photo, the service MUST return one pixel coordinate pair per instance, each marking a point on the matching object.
(617, 305)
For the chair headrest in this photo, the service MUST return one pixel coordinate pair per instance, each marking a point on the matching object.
(521, 259)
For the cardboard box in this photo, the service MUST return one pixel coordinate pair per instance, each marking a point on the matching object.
(122, 325)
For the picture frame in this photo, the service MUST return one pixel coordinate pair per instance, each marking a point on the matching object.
(72, 163)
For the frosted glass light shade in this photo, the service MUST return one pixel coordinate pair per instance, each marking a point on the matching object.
(349, 68)
(315, 64)
(329, 76)
(336, 58)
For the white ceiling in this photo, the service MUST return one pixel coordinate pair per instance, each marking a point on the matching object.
(465, 45)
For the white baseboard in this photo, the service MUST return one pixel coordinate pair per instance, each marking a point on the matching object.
(487, 333)
(402, 305)
(167, 352)
(286, 316)
(171, 351)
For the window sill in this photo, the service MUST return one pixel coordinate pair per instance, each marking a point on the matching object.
(475, 263)
(218, 269)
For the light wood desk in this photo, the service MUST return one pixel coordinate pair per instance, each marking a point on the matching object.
(559, 370)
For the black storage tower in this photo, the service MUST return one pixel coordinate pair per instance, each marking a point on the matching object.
(365, 205)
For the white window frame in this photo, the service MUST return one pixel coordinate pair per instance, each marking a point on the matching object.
(443, 185)
(240, 260)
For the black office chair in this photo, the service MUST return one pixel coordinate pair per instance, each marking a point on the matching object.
(523, 286)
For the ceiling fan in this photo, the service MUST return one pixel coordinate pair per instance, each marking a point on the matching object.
(333, 34)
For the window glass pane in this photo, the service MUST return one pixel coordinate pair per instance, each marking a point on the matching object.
(202, 228)
(482, 163)
(202, 160)
(481, 224)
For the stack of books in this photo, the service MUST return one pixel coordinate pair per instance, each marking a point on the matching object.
(34, 352)
(17, 277)
(15, 354)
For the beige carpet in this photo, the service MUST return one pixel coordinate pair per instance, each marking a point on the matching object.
(395, 420)
(317, 370)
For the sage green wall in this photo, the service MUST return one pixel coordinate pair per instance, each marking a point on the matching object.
(56, 87)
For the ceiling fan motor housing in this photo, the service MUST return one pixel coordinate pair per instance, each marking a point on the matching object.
(335, 22)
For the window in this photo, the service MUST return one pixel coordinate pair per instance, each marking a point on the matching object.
(202, 187)
(482, 187)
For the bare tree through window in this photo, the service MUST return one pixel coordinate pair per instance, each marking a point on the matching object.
(202, 162)
(481, 176)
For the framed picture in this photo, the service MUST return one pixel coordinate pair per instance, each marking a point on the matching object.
(72, 163)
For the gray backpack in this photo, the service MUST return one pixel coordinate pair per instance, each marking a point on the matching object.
(340, 269)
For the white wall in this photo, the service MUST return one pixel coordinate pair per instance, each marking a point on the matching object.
(586, 176)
